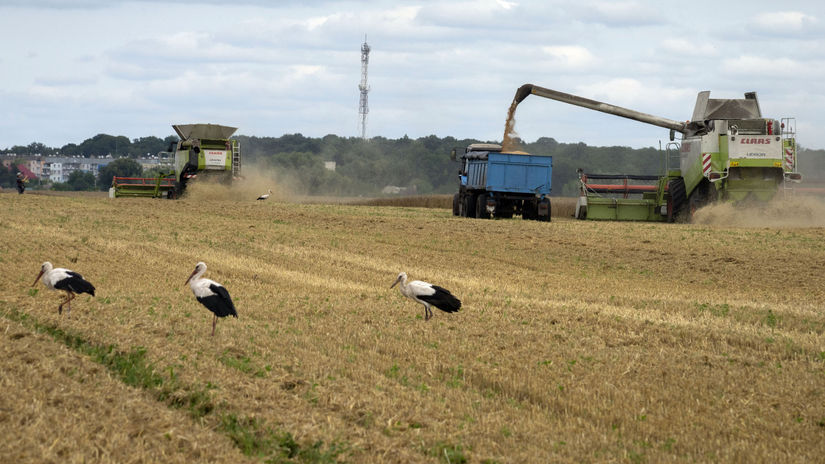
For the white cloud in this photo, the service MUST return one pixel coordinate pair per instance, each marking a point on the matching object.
(569, 56)
(635, 94)
(319, 21)
(620, 13)
(784, 22)
(778, 67)
(404, 14)
(694, 48)
(449, 67)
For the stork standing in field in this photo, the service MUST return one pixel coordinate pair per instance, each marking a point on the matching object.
(211, 294)
(57, 278)
(265, 195)
(428, 295)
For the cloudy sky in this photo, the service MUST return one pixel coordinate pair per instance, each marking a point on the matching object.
(73, 69)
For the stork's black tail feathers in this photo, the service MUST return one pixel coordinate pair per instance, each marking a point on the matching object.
(443, 300)
(76, 284)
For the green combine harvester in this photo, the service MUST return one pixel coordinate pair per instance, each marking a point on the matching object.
(204, 151)
(727, 152)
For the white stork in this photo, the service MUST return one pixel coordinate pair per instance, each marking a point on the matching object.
(428, 295)
(265, 195)
(211, 294)
(57, 278)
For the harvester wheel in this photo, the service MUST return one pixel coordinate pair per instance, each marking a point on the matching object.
(677, 198)
(455, 205)
(697, 199)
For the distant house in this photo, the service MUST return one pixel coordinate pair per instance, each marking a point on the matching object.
(394, 190)
(329, 165)
(26, 171)
(59, 168)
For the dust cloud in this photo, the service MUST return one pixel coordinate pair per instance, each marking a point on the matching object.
(781, 212)
(256, 181)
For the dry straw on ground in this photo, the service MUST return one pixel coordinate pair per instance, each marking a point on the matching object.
(59, 406)
(578, 341)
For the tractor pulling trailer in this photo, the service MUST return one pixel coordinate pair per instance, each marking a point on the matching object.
(727, 152)
(204, 151)
(496, 184)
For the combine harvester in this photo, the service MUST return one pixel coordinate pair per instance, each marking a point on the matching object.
(204, 151)
(726, 152)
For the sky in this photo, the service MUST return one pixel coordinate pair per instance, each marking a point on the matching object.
(73, 69)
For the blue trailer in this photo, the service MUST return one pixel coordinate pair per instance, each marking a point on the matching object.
(496, 184)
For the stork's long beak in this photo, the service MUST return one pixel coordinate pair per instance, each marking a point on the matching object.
(38, 278)
(396, 281)
(191, 275)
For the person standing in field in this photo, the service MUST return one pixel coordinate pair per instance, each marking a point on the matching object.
(21, 183)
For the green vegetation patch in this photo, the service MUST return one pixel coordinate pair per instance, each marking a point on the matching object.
(133, 368)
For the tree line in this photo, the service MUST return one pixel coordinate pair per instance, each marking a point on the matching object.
(118, 146)
(365, 167)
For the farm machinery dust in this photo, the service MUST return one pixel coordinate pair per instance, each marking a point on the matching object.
(204, 151)
(727, 152)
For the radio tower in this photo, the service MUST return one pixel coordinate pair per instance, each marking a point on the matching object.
(363, 109)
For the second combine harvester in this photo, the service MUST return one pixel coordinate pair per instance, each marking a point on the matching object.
(728, 152)
(204, 151)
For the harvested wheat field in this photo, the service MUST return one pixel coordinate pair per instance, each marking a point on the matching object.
(577, 341)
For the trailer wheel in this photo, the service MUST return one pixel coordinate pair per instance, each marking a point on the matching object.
(529, 210)
(469, 206)
(456, 207)
(505, 209)
(481, 207)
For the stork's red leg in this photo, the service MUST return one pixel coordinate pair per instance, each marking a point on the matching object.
(69, 296)
(214, 321)
(69, 302)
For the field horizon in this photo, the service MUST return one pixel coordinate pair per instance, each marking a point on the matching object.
(577, 341)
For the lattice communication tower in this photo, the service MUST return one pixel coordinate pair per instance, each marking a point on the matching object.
(363, 109)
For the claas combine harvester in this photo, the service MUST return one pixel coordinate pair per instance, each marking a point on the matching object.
(203, 151)
(726, 152)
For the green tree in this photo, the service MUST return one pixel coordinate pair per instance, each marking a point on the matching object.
(81, 180)
(8, 176)
(144, 146)
(104, 144)
(121, 167)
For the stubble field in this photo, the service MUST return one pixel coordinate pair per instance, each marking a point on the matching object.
(577, 341)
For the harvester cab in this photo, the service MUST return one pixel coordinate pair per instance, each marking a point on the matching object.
(206, 151)
(727, 151)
